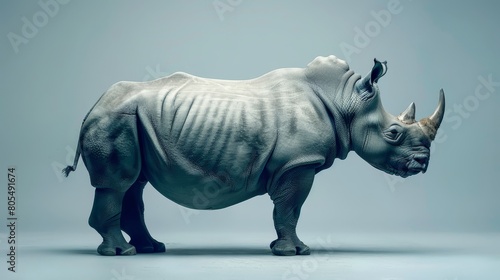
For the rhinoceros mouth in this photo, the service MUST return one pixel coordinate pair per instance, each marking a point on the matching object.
(410, 172)
(406, 167)
(392, 170)
(415, 164)
(405, 172)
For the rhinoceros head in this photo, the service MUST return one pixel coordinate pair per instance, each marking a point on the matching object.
(398, 145)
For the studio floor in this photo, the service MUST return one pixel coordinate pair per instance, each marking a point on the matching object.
(247, 256)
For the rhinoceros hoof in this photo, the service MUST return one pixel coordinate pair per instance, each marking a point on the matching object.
(283, 247)
(152, 246)
(107, 249)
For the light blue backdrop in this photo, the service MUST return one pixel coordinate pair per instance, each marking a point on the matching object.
(56, 60)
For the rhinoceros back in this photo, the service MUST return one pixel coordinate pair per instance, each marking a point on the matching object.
(209, 143)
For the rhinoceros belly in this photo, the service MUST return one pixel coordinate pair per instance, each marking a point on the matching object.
(204, 165)
(209, 144)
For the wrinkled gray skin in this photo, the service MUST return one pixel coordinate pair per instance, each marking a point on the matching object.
(209, 144)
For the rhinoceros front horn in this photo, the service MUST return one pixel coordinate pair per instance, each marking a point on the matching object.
(431, 124)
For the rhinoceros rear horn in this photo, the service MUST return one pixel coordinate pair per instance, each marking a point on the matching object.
(408, 116)
(431, 124)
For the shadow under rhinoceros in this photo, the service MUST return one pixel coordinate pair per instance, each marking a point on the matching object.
(263, 251)
(253, 251)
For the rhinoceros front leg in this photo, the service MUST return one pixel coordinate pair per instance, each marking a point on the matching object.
(288, 196)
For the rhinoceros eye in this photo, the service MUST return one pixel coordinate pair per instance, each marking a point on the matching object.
(393, 133)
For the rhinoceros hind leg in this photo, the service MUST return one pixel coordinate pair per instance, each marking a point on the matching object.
(105, 219)
(288, 196)
(111, 152)
(132, 220)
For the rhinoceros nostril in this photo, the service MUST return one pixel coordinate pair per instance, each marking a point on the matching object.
(418, 163)
(422, 160)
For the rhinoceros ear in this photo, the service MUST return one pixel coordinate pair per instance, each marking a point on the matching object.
(379, 69)
(365, 85)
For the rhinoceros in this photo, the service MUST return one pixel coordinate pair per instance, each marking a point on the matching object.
(209, 144)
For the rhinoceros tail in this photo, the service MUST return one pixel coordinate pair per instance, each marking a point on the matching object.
(70, 168)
